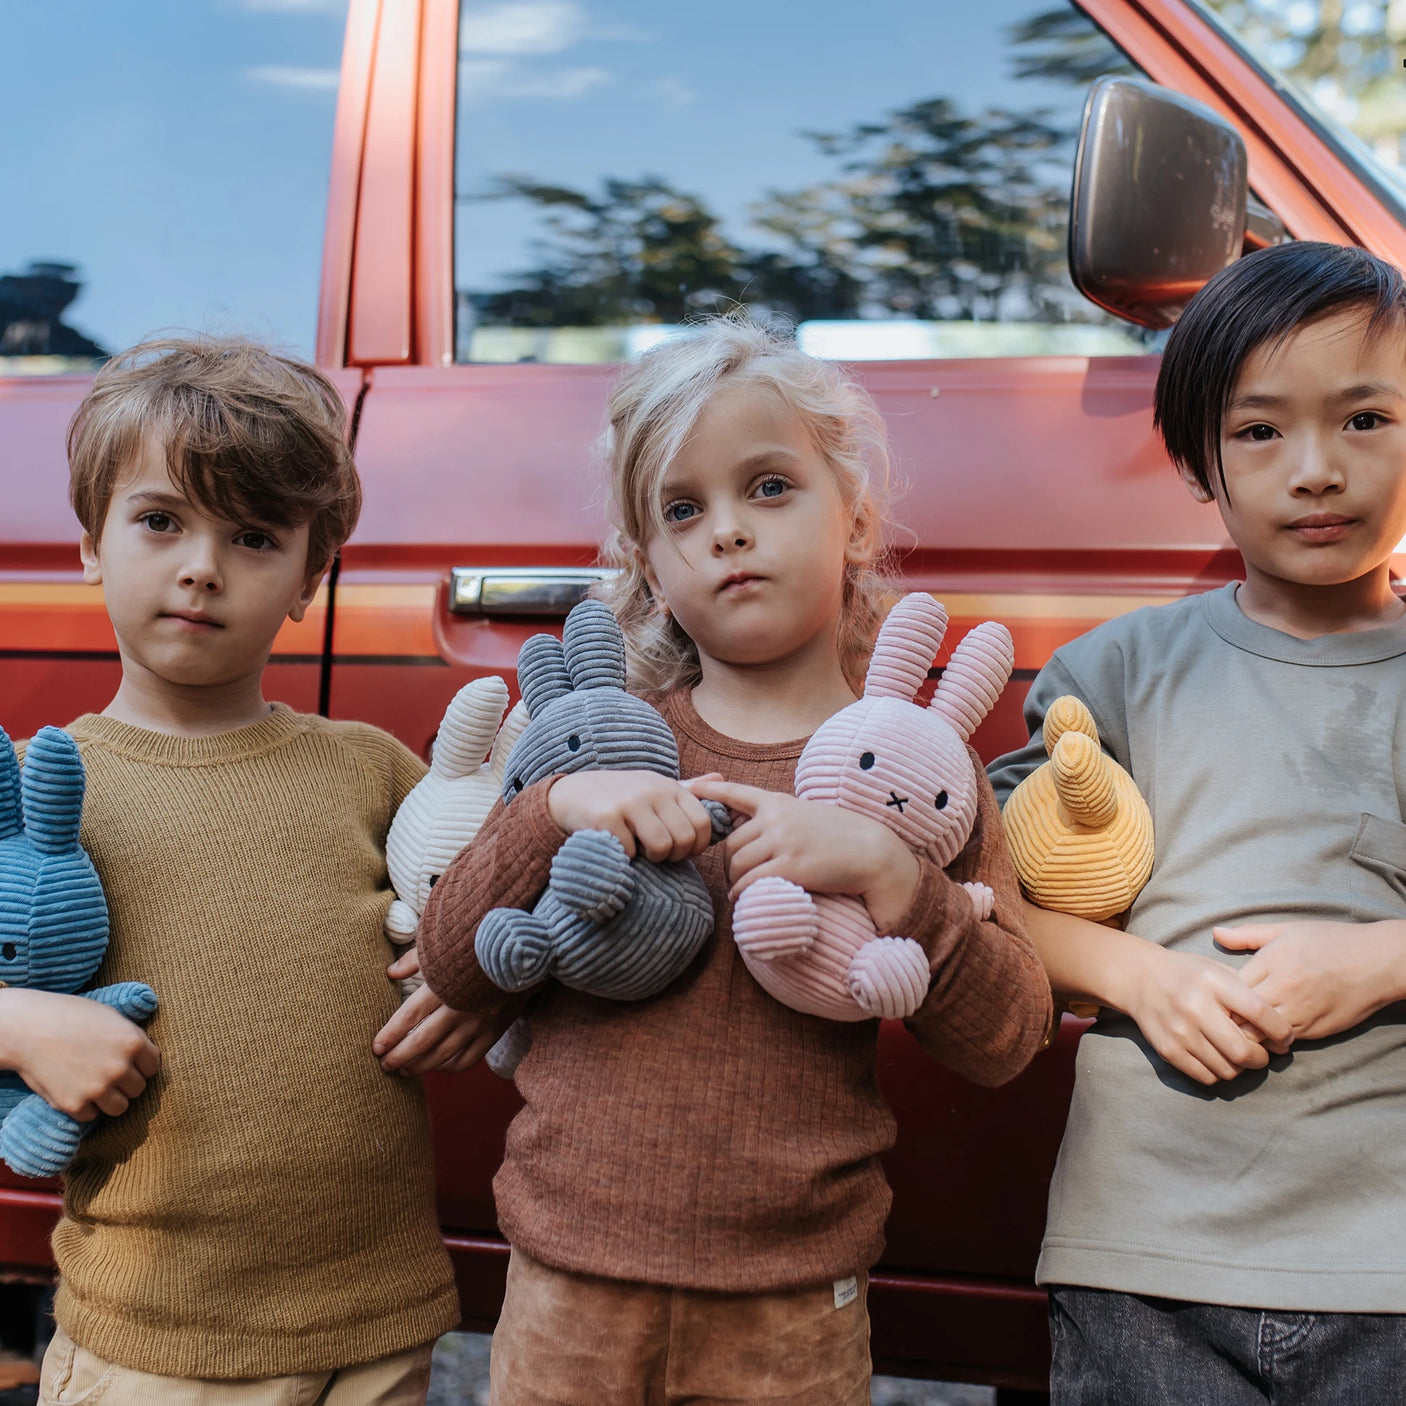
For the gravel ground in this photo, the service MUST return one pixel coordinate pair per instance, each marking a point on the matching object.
(461, 1379)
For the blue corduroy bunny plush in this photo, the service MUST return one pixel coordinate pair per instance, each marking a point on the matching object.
(606, 924)
(53, 928)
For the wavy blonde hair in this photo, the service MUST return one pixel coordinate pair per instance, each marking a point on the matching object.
(653, 409)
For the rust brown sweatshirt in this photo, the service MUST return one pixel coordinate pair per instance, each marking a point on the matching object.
(712, 1138)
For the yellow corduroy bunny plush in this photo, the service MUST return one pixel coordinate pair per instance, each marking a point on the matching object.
(1079, 830)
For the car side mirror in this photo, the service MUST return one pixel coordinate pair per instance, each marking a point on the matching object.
(1160, 201)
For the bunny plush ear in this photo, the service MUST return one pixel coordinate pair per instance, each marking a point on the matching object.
(908, 643)
(980, 668)
(506, 740)
(469, 723)
(11, 815)
(541, 672)
(52, 791)
(595, 646)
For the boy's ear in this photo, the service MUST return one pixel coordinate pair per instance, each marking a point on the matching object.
(307, 594)
(1194, 486)
(92, 567)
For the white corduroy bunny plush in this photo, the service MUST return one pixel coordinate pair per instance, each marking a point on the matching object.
(448, 807)
(897, 762)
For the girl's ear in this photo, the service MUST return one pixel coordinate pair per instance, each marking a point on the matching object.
(908, 642)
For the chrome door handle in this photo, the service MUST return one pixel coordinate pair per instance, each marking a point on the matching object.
(521, 590)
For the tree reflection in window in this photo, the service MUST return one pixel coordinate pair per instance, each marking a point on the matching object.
(931, 213)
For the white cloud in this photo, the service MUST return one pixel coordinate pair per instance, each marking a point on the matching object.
(522, 27)
(501, 78)
(310, 7)
(673, 92)
(307, 80)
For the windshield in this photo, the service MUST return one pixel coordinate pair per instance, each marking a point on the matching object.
(1336, 64)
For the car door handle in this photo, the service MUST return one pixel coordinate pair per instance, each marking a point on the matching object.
(521, 590)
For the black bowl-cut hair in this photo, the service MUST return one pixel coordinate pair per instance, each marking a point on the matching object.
(1262, 298)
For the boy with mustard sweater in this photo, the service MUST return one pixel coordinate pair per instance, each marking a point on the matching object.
(259, 1226)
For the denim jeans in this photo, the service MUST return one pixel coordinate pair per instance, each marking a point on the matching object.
(1113, 1349)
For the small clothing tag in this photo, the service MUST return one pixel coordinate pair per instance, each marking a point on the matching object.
(846, 1291)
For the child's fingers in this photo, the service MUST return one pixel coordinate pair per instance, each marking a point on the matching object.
(691, 783)
(699, 819)
(412, 1011)
(652, 833)
(114, 1103)
(732, 794)
(1246, 937)
(1238, 1049)
(1245, 1001)
(147, 1059)
(755, 851)
(407, 964)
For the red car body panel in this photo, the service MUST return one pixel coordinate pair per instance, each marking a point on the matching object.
(1034, 488)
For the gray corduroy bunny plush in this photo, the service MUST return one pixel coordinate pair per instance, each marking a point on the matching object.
(606, 924)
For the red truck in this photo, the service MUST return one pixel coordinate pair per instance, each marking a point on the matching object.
(1036, 492)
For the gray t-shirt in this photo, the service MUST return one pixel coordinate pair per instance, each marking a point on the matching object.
(1274, 768)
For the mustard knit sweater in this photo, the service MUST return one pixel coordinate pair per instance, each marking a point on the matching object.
(267, 1206)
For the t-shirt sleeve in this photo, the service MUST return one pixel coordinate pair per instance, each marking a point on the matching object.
(506, 865)
(988, 1007)
(1091, 668)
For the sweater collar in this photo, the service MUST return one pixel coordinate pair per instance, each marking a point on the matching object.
(1224, 616)
(144, 744)
(678, 710)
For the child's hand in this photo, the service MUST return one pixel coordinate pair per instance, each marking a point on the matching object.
(640, 808)
(425, 1034)
(1323, 977)
(1201, 1017)
(79, 1056)
(820, 847)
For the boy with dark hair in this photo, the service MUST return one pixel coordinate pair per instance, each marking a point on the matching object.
(259, 1226)
(1226, 1220)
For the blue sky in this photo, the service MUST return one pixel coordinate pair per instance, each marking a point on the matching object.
(177, 150)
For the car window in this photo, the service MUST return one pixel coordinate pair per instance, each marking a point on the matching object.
(893, 176)
(1337, 64)
(166, 168)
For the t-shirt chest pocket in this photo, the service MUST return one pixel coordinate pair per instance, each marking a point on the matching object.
(1378, 878)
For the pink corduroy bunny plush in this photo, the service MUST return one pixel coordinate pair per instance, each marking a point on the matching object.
(908, 766)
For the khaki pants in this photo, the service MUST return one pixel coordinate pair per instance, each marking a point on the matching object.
(574, 1340)
(73, 1376)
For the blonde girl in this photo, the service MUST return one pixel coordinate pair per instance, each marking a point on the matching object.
(692, 1191)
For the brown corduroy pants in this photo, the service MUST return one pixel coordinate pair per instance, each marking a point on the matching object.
(569, 1339)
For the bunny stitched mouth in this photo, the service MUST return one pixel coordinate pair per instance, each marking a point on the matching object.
(896, 800)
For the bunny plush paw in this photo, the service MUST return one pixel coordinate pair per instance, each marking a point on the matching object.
(889, 977)
(983, 900)
(38, 1141)
(591, 875)
(774, 918)
(513, 948)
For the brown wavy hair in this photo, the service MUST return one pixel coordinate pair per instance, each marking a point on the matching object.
(249, 434)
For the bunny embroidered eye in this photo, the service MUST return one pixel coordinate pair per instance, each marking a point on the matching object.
(866, 760)
(434, 879)
(940, 801)
(573, 743)
(516, 785)
(8, 951)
